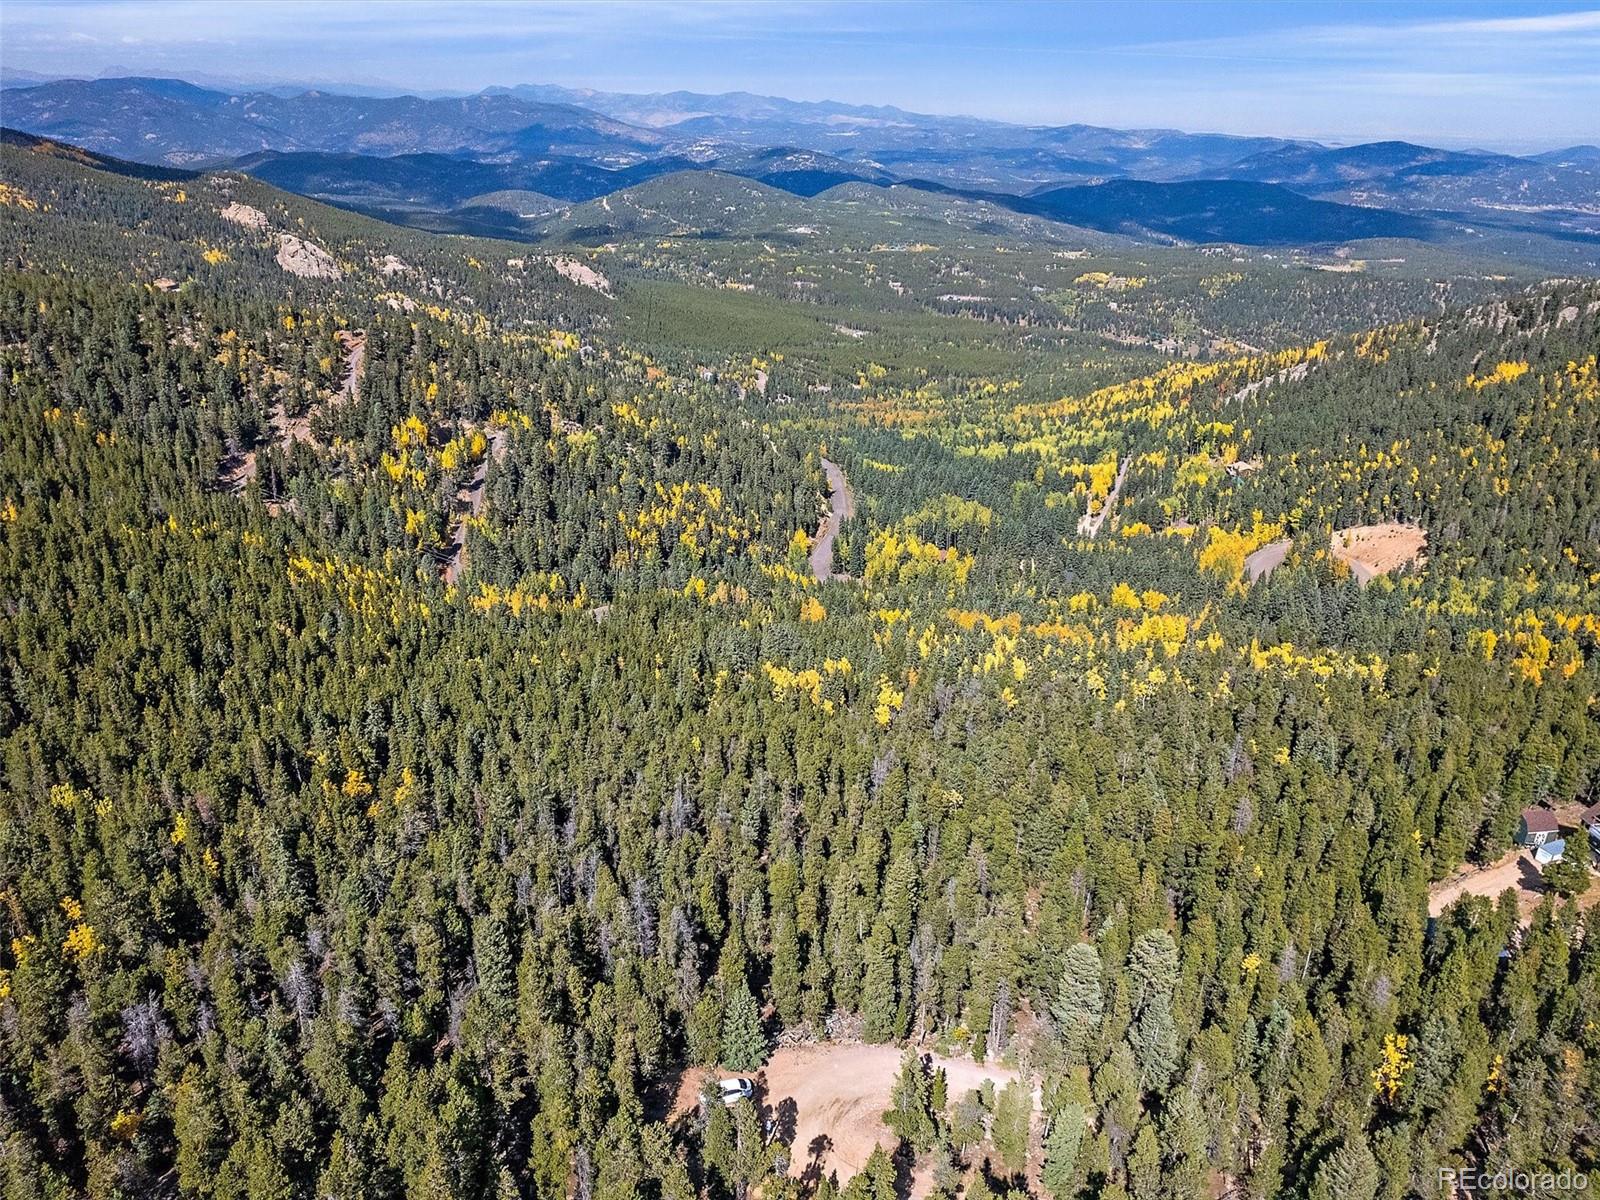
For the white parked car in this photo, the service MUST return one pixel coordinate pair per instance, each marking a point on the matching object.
(734, 1090)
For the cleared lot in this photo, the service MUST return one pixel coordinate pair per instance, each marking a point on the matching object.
(831, 1099)
(1373, 550)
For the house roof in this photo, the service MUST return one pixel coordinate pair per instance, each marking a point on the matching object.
(1591, 814)
(1539, 820)
(1553, 849)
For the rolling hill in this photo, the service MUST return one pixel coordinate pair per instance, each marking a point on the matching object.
(1255, 214)
(1317, 168)
(1423, 179)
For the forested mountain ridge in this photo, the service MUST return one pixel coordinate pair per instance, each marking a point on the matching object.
(401, 815)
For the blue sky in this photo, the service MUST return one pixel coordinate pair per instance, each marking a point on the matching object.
(1492, 73)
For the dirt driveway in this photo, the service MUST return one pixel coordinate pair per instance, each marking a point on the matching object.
(1515, 871)
(828, 1100)
(841, 507)
(1267, 559)
(1089, 524)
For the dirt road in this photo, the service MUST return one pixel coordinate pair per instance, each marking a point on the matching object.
(1266, 560)
(1090, 523)
(239, 468)
(828, 1100)
(469, 504)
(841, 507)
(355, 361)
(1515, 871)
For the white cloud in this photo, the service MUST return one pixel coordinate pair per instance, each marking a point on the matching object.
(1542, 24)
(1554, 34)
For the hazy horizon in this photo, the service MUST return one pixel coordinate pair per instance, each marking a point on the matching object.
(1500, 76)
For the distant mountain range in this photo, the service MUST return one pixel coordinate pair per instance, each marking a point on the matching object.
(176, 123)
(504, 159)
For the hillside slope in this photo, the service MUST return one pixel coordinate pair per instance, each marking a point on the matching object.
(427, 747)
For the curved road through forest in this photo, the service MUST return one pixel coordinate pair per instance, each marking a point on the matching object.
(1089, 524)
(469, 504)
(841, 507)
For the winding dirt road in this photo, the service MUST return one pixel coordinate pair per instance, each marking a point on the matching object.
(841, 507)
(1089, 524)
(469, 504)
(1263, 562)
(239, 468)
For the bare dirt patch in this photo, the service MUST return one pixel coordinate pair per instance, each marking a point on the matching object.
(828, 1100)
(306, 259)
(1293, 374)
(1373, 550)
(236, 471)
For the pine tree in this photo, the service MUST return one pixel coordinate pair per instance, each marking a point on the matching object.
(1182, 1134)
(744, 1044)
(1350, 1172)
(910, 1116)
(703, 1029)
(1061, 1151)
(939, 1095)
(1013, 1119)
(1153, 964)
(1144, 1165)
(492, 959)
(876, 1180)
(785, 978)
(879, 1004)
(719, 1151)
(1080, 1000)
(967, 1122)
(753, 1160)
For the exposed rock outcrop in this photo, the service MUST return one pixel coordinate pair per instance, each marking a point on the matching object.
(307, 259)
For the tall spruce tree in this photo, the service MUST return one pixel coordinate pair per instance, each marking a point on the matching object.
(1079, 1002)
(910, 1114)
(744, 1043)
